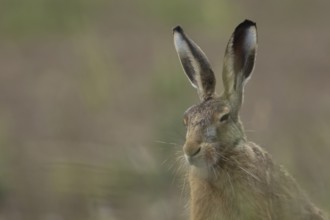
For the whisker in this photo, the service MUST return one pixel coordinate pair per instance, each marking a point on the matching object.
(167, 143)
(246, 171)
(230, 183)
(164, 162)
(183, 187)
(222, 156)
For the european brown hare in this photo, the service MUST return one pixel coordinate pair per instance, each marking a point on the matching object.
(230, 177)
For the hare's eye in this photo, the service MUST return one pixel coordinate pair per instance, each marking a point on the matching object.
(224, 118)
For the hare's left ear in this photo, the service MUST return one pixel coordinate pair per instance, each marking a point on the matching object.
(195, 64)
(239, 62)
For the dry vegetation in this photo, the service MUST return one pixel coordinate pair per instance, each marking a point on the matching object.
(92, 97)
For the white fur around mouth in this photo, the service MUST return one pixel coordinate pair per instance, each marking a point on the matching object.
(191, 159)
(196, 161)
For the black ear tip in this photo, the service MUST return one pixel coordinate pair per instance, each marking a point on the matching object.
(247, 23)
(178, 29)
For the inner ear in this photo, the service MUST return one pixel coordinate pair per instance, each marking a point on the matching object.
(195, 64)
(244, 48)
(239, 62)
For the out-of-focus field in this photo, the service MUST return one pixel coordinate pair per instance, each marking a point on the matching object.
(92, 96)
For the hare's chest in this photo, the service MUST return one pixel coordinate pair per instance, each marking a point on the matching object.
(230, 202)
(209, 203)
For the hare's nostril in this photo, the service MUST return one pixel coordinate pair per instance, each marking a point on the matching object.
(196, 152)
(192, 149)
(191, 154)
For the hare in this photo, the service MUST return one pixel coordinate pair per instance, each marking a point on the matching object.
(230, 177)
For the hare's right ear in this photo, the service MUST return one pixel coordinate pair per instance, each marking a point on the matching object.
(195, 64)
(239, 62)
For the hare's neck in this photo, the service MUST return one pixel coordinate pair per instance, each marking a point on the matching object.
(211, 200)
(225, 190)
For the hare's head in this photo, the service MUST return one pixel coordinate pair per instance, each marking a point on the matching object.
(213, 126)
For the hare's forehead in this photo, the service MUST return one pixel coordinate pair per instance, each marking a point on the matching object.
(205, 110)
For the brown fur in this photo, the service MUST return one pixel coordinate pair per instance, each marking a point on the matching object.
(229, 177)
(248, 185)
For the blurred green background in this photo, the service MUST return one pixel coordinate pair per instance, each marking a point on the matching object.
(92, 96)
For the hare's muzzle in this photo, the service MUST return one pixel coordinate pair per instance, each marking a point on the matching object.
(191, 150)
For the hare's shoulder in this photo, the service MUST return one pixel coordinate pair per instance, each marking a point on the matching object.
(264, 163)
(257, 154)
(277, 183)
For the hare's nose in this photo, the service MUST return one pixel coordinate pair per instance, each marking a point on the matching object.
(191, 149)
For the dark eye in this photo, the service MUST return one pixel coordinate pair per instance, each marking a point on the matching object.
(224, 118)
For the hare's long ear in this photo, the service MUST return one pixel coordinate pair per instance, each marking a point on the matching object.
(195, 64)
(239, 62)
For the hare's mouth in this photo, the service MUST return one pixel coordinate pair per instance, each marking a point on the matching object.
(205, 155)
(197, 159)
(194, 160)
